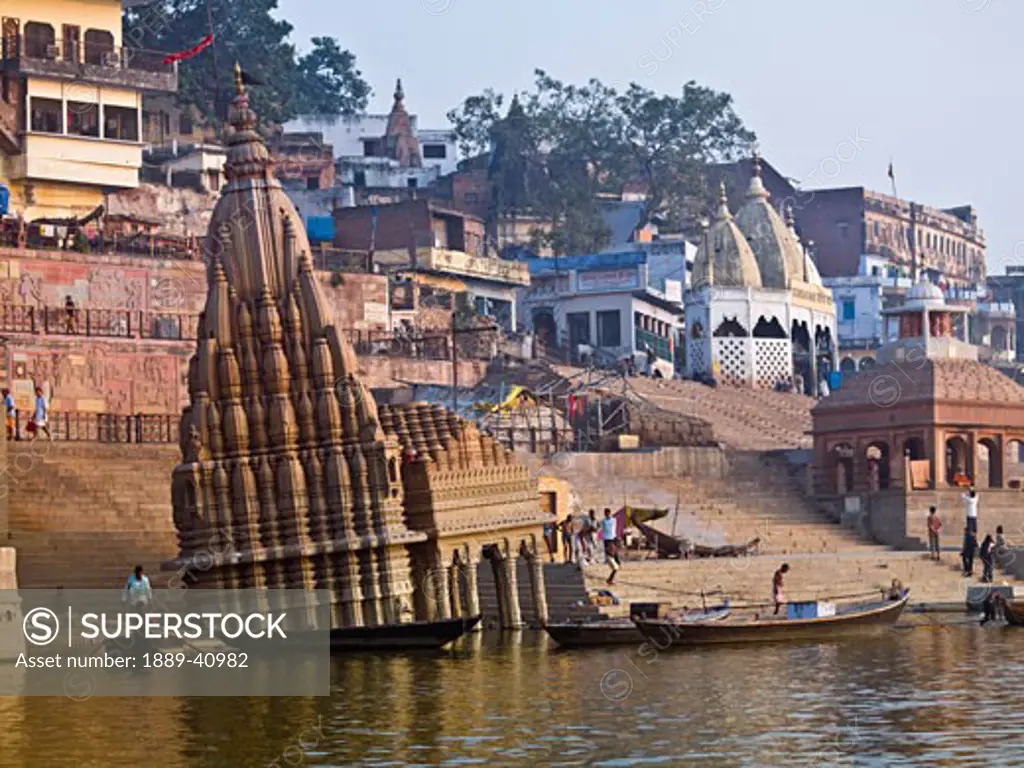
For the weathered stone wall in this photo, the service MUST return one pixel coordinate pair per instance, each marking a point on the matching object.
(82, 514)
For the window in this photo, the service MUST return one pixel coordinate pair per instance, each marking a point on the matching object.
(40, 41)
(98, 44)
(185, 123)
(372, 148)
(359, 178)
(46, 115)
(849, 310)
(121, 123)
(876, 229)
(471, 197)
(71, 35)
(609, 329)
(412, 182)
(83, 119)
(435, 151)
(579, 327)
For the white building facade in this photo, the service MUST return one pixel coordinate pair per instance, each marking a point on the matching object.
(756, 312)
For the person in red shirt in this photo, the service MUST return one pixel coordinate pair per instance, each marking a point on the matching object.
(934, 529)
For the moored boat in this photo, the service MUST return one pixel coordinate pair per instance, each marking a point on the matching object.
(618, 631)
(396, 637)
(1013, 610)
(856, 619)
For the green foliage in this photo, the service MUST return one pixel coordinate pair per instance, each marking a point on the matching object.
(323, 81)
(561, 146)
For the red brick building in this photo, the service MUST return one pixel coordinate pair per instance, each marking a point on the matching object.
(849, 222)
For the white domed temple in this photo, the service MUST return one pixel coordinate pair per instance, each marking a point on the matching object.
(757, 314)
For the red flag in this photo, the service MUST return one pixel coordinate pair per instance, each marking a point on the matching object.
(205, 43)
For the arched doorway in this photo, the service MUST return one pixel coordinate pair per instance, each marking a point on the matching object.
(841, 468)
(866, 363)
(848, 367)
(1014, 462)
(802, 354)
(957, 460)
(545, 328)
(877, 455)
(914, 448)
(989, 463)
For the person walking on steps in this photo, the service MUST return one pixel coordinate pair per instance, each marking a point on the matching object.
(41, 416)
(137, 593)
(967, 552)
(610, 535)
(971, 509)
(987, 558)
(934, 529)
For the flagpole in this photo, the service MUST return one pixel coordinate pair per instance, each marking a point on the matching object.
(216, 69)
(892, 177)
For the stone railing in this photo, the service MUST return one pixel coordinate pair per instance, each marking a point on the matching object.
(79, 426)
(99, 323)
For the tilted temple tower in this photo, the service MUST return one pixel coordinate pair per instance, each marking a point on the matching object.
(288, 477)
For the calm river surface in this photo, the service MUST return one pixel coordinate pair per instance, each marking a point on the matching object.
(930, 695)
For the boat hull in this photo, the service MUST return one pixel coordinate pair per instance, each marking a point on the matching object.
(398, 637)
(1014, 613)
(581, 634)
(665, 633)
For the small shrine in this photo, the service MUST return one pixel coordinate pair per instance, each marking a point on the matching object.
(929, 417)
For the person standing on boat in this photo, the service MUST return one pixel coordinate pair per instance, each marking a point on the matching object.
(934, 529)
(971, 509)
(778, 595)
(610, 534)
(967, 552)
(986, 552)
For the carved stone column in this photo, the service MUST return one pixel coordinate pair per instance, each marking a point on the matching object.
(442, 595)
(537, 590)
(456, 589)
(472, 590)
(513, 614)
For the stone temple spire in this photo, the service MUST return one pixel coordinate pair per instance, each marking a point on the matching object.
(400, 140)
(283, 455)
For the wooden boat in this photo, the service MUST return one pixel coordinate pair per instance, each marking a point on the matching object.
(1013, 610)
(666, 546)
(396, 637)
(604, 631)
(727, 550)
(863, 618)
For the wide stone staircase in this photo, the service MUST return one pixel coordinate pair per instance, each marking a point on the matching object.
(83, 514)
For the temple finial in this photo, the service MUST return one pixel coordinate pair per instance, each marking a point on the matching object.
(723, 203)
(756, 157)
(399, 93)
(239, 80)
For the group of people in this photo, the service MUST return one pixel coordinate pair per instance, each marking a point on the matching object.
(40, 421)
(579, 535)
(991, 547)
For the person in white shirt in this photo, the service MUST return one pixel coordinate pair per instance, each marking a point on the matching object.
(971, 508)
(42, 415)
(137, 593)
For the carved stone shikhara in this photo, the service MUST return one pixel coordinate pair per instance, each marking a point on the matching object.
(290, 476)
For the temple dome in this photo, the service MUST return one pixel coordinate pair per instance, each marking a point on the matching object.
(925, 291)
(778, 252)
(731, 261)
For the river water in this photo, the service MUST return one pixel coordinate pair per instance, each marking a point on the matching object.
(928, 695)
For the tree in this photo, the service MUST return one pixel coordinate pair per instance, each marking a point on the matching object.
(561, 146)
(324, 81)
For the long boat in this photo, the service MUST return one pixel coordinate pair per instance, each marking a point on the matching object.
(1013, 610)
(619, 631)
(856, 619)
(396, 637)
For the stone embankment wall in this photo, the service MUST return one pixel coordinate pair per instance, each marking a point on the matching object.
(81, 515)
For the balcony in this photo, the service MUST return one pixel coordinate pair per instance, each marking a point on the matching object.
(101, 65)
(461, 264)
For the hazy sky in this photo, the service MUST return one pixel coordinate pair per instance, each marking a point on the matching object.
(932, 84)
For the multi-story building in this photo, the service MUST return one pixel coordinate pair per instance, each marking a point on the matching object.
(611, 305)
(71, 104)
(303, 160)
(947, 245)
(437, 247)
(1008, 289)
(384, 151)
